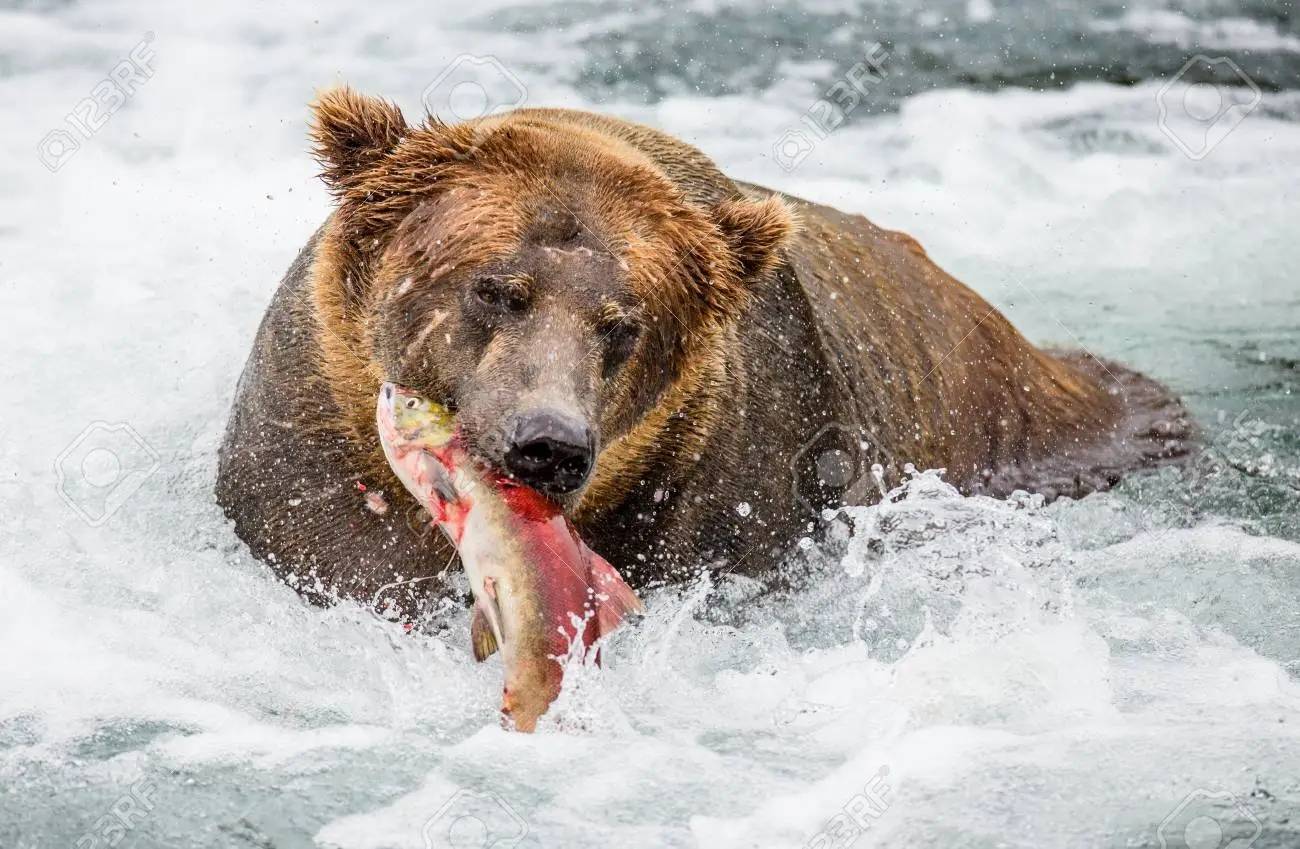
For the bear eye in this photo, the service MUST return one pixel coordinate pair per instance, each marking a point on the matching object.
(500, 294)
(620, 340)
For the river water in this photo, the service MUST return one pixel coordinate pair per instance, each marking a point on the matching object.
(951, 672)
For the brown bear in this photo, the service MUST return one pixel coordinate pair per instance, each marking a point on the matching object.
(690, 366)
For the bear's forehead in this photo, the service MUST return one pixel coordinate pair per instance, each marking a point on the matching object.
(484, 223)
(580, 264)
(554, 224)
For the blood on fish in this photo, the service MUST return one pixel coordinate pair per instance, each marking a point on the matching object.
(527, 503)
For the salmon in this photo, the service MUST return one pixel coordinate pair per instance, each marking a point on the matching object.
(538, 589)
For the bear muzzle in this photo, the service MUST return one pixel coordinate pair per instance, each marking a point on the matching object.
(550, 450)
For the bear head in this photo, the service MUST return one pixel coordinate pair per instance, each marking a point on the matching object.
(549, 282)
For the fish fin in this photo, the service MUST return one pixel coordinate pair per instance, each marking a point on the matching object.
(615, 599)
(481, 635)
(439, 478)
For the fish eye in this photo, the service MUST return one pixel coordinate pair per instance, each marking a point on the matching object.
(412, 403)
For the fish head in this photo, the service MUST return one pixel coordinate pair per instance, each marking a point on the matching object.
(410, 418)
(412, 431)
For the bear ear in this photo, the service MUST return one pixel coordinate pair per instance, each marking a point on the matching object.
(757, 231)
(351, 133)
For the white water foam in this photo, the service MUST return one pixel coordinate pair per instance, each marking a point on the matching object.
(1170, 27)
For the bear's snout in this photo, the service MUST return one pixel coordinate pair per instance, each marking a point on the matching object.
(550, 450)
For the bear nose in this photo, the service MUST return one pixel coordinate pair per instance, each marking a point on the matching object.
(549, 450)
